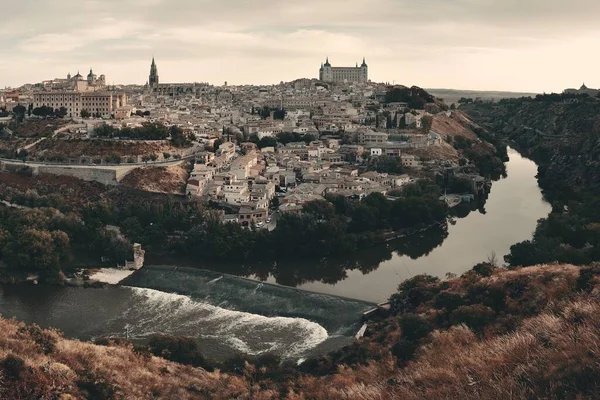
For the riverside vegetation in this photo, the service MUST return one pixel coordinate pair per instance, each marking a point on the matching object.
(65, 223)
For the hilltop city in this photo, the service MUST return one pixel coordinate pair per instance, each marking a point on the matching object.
(297, 240)
(250, 150)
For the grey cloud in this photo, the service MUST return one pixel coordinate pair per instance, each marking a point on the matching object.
(65, 32)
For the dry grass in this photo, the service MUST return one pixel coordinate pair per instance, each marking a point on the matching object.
(171, 179)
(70, 364)
(552, 353)
(455, 125)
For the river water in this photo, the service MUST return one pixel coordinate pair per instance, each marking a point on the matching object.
(228, 314)
(512, 210)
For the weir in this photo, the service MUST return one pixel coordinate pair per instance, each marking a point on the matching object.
(339, 316)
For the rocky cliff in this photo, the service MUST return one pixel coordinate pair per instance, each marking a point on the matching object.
(560, 132)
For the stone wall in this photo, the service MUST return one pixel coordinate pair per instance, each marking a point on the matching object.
(106, 176)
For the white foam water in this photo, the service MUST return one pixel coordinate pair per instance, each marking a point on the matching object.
(111, 276)
(216, 279)
(174, 314)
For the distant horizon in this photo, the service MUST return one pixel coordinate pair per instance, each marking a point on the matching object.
(274, 83)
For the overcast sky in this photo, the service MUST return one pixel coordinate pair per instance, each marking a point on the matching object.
(518, 45)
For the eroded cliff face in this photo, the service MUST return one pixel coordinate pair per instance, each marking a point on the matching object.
(561, 133)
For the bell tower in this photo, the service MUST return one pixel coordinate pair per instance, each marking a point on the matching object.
(153, 79)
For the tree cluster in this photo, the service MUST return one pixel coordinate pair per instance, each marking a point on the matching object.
(148, 131)
(414, 97)
(45, 111)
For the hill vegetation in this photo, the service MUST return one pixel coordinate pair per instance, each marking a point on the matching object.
(492, 333)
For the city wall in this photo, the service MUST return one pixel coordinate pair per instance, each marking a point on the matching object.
(104, 175)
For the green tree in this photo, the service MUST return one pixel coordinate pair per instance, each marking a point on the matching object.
(275, 202)
(179, 138)
(19, 112)
(37, 249)
(319, 209)
(427, 123)
(166, 155)
(85, 113)
(267, 141)
(414, 327)
(113, 158)
(61, 112)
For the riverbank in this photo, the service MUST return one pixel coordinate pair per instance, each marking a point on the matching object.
(490, 339)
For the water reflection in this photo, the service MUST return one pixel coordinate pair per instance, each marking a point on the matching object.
(504, 216)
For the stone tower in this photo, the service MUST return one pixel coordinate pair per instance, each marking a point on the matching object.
(364, 72)
(153, 79)
(326, 73)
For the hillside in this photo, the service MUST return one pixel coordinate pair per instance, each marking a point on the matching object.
(171, 179)
(561, 133)
(454, 95)
(492, 333)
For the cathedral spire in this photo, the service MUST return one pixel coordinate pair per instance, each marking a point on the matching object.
(153, 78)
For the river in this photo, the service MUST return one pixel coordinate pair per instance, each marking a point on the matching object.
(514, 206)
(228, 314)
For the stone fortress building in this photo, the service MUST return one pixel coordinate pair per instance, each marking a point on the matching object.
(358, 74)
(76, 93)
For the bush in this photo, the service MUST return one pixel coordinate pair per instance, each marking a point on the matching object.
(489, 296)
(236, 364)
(585, 281)
(13, 367)
(475, 317)
(42, 338)
(414, 327)
(447, 300)
(97, 389)
(404, 350)
(183, 350)
(484, 269)
(413, 292)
